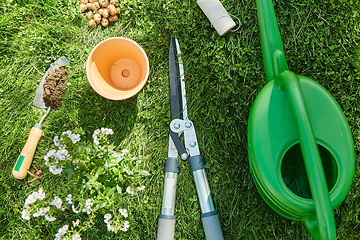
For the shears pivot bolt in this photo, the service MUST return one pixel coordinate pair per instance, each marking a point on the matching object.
(184, 156)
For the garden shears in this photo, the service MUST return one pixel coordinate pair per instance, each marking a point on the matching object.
(181, 124)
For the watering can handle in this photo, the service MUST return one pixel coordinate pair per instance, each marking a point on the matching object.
(323, 225)
(270, 40)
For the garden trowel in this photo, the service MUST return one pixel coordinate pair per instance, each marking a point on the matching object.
(23, 163)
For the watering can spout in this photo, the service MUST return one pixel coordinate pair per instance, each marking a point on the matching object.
(312, 225)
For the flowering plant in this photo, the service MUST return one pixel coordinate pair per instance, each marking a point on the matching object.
(95, 180)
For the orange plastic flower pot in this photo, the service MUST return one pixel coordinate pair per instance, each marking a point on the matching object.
(117, 68)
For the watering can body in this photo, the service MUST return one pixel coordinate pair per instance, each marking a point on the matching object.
(301, 151)
(276, 159)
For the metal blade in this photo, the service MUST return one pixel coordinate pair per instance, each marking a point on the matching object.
(176, 104)
(38, 100)
(176, 97)
(182, 77)
(190, 139)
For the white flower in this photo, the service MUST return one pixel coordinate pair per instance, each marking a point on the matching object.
(141, 188)
(76, 223)
(89, 202)
(96, 132)
(56, 202)
(36, 195)
(68, 199)
(128, 190)
(109, 228)
(61, 154)
(25, 214)
(74, 209)
(123, 212)
(126, 226)
(30, 199)
(44, 210)
(73, 137)
(66, 133)
(87, 210)
(41, 212)
(55, 170)
(48, 156)
(36, 214)
(76, 237)
(40, 194)
(49, 218)
(57, 141)
(107, 131)
(62, 231)
(124, 151)
(107, 217)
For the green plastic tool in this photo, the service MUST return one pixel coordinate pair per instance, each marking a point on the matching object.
(301, 151)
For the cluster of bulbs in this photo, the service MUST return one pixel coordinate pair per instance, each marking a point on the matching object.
(101, 11)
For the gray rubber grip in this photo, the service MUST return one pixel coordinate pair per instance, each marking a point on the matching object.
(212, 226)
(166, 227)
(197, 163)
(171, 165)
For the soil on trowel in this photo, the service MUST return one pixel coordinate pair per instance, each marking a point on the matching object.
(54, 88)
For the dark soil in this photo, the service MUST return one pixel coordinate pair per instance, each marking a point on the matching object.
(54, 88)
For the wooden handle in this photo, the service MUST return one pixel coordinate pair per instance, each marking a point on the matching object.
(24, 161)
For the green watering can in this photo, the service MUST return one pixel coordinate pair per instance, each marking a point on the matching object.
(301, 151)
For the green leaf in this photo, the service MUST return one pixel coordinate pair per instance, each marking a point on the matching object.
(106, 191)
(121, 178)
(99, 171)
(101, 204)
(115, 170)
(115, 196)
(111, 192)
(97, 185)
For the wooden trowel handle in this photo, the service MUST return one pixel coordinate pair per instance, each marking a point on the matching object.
(24, 161)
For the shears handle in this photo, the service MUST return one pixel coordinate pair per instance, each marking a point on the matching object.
(209, 216)
(166, 225)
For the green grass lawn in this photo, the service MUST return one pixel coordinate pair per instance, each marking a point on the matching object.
(224, 74)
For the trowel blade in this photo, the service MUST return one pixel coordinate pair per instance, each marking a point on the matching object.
(38, 100)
